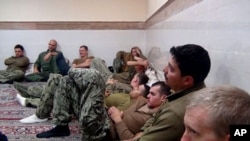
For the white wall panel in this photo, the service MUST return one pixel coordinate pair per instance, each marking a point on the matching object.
(102, 43)
(72, 10)
(222, 27)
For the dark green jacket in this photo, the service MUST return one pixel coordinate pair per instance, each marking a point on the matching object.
(167, 124)
(49, 66)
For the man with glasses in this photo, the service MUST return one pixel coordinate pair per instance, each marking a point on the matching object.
(50, 61)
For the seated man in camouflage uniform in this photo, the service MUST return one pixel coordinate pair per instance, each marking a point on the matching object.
(16, 66)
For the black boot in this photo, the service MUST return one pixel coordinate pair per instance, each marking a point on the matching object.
(58, 131)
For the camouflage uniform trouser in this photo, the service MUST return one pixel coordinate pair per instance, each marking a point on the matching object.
(83, 92)
(46, 101)
(7, 75)
(34, 94)
(124, 77)
(45, 104)
(100, 66)
(37, 77)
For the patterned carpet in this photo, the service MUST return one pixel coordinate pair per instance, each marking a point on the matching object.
(11, 112)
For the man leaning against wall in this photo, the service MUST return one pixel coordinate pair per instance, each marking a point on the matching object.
(30, 96)
(16, 66)
(46, 63)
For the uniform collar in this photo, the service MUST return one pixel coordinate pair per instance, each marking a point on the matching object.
(175, 96)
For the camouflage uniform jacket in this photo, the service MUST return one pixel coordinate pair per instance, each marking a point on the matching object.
(17, 63)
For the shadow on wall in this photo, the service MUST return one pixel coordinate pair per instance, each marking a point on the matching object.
(59, 48)
(222, 75)
(227, 75)
(227, 69)
(158, 59)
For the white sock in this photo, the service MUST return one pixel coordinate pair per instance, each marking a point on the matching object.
(32, 119)
(21, 99)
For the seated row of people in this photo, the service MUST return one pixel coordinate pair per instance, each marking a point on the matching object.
(53, 61)
(50, 61)
(160, 116)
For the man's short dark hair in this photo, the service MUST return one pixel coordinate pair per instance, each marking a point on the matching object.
(85, 47)
(192, 60)
(164, 89)
(143, 78)
(19, 46)
(146, 90)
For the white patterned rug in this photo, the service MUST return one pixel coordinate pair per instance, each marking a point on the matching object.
(11, 112)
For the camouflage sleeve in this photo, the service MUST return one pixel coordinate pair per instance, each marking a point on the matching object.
(119, 87)
(9, 61)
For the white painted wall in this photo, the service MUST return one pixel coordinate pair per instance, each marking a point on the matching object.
(222, 27)
(72, 10)
(153, 6)
(101, 43)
